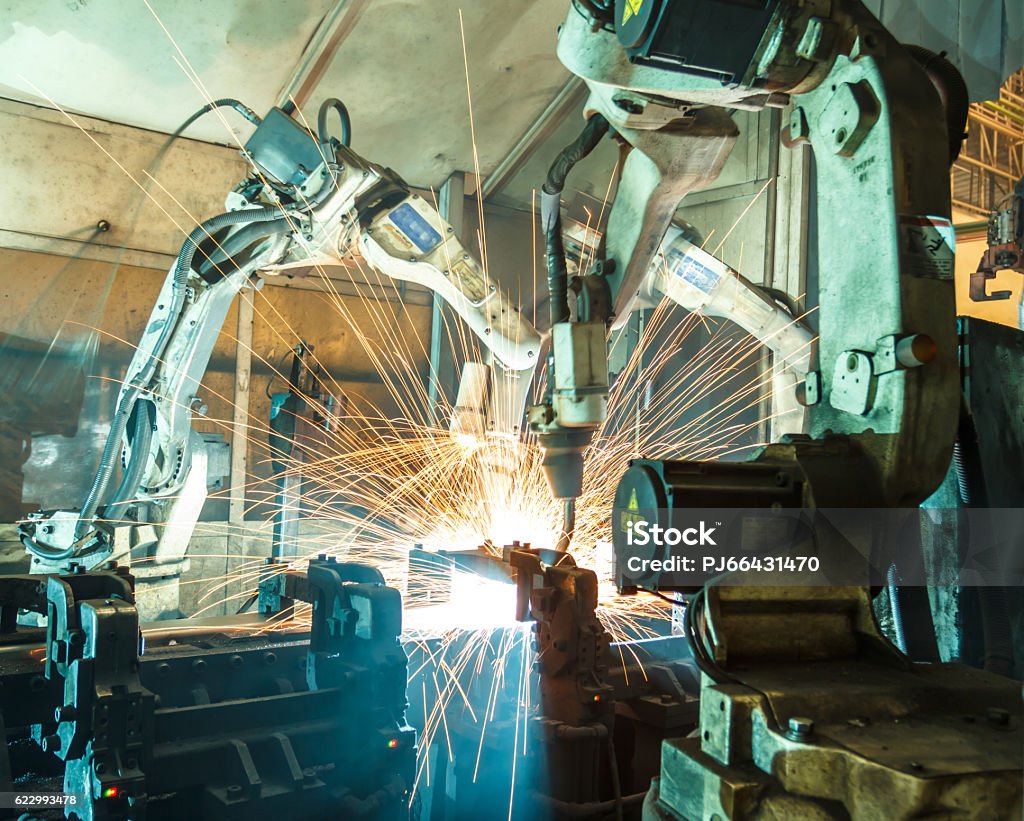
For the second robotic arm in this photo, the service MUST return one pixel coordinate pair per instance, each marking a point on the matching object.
(403, 237)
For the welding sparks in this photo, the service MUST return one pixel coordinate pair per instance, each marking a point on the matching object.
(387, 476)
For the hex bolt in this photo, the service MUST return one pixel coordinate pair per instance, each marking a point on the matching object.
(65, 713)
(236, 661)
(800, 728)
(998, 717)
(199, 665)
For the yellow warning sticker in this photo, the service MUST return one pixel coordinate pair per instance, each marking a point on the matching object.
(631, 516)
(630, 8)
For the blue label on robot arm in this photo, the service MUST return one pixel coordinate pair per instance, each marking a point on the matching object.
(416, 229)
(690, 270)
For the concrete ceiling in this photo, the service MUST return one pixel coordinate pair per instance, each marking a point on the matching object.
(398, 65)
(114, 61)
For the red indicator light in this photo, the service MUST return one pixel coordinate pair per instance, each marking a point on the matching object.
(111, 792)
(392, 743)
(597, 698)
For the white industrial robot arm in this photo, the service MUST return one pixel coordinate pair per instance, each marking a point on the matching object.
(163, 461)
(697, 281)
(286, 216)
(403, 237)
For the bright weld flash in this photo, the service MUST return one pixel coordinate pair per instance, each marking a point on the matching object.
(475, 604)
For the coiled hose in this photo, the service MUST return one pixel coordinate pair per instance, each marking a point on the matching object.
(551, 215)
(133, 388)
(140, 441)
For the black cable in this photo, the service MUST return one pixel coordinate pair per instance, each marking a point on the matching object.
(695, 637)
(662, 596)
(223, 102)
(333, 103)
(141, 436)
(551, 215)
(780, 296)
(593, 131)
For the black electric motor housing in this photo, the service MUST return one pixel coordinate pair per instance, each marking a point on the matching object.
(662, 493)
(712, 38)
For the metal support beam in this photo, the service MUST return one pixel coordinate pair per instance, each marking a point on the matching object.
(240, 432)
(766, 363)
(316, 59)
(569, 96)
(451, 204)
(792, 218)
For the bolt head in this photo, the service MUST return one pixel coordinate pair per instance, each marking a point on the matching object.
(65, 713)
(998, 717)
(800, 727)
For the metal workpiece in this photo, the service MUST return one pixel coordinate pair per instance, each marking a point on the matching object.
(214, 725)
(576, 704)
(830, 721)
